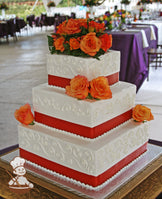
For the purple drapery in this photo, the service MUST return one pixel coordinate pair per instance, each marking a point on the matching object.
(134, 60)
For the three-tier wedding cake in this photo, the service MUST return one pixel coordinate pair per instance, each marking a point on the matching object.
(83, 128)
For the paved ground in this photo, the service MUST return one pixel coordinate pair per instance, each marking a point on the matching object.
(22, 66)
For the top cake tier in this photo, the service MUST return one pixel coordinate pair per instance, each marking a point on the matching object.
(62, 68)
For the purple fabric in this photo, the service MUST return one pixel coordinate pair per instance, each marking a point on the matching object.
(133, 66)
(7, 149)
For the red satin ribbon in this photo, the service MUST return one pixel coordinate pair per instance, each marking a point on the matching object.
(82, 177)
(63, 82)
(80, 129)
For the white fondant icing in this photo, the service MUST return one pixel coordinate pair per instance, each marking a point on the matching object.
(91, 157)
(53, 101)
(86, 186)
(69, 66)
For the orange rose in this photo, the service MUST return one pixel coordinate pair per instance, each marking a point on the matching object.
(74, 43)
(58, 43)
(83, 22)
(78, 87)
(24, 115)
(99, 27)
(90, 44)
(72, 26)
(100, 88)
(106, 41)
(61, 28)
(142, 113)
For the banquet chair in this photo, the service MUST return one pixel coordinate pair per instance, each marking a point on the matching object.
(73, 15)
(43, 20)
(154, 56)
(12, 28)
(30, 20)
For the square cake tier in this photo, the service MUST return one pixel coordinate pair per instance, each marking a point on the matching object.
(87, 118)
(89, 161)
(62, 68)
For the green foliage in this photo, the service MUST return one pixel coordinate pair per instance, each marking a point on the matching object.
(51, 4)
(127, 2)
(3, 5)
(24, 10)
(71, 3)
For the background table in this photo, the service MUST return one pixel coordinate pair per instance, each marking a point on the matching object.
(157, 23)
(145, 184)
(133, 68)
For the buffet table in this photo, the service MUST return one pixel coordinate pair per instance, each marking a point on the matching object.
(145, 183)
(133, 50)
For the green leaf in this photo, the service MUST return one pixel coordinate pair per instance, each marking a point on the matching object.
(84, 31)
(50, 40)
(89, 96)
(32, 123)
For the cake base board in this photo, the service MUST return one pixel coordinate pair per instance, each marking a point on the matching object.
(113, 184)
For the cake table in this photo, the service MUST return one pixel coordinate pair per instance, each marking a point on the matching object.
(140, 179)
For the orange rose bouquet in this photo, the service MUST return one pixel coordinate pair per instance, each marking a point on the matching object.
(142, 113)
(24, 115)
(80, 37)
(81, 88)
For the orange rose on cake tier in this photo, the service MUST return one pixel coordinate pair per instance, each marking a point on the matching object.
(78, 87)
(74, 43)
(24, 115)
(99, 27)
(58, 43)
(142, 113)
(60, 28)
(83, 23)
(100, 88)
(106, 41)
(70, 27)
(90, 44)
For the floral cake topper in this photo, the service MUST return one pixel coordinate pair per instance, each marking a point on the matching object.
(80, 37)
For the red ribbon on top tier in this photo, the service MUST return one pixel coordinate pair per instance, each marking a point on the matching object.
(63, 82)
(81, 130)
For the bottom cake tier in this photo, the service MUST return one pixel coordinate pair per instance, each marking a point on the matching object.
(89, 161)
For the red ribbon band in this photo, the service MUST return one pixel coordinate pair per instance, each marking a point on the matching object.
(82, 177)
(63, 82)
(80, 129)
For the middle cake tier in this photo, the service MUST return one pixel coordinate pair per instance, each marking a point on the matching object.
(87, 118)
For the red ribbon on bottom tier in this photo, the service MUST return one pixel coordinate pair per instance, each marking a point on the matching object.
(79, 176)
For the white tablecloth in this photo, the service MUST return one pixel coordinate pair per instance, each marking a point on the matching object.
(158, 24)
(144, 38)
